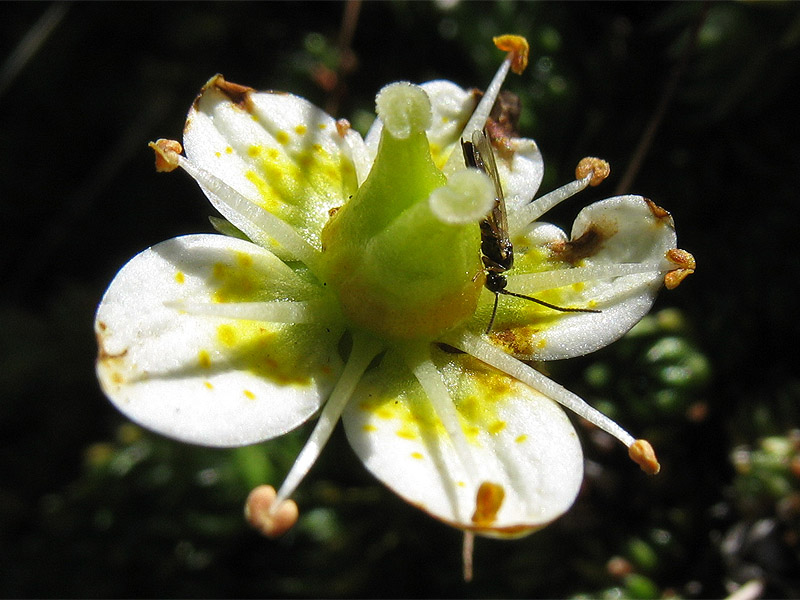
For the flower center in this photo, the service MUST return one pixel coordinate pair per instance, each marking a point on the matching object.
(404, 253)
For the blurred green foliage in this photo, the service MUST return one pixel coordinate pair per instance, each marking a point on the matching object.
(92, 506)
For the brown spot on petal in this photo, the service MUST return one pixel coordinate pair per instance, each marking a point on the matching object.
(488, 501)
(659, 213)
(585, 245)
(238, 94)
(642, 453)
(518, 341)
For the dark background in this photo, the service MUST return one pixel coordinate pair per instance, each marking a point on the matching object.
(92, 506)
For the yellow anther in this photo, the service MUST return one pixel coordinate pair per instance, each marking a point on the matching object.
(686, 266)
(167, 152)
(642, 453)
(518, 47)
(597, 167)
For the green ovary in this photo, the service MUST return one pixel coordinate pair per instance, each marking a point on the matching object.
(398, 270)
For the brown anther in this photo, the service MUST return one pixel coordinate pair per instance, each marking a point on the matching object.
(488, 501)
(642, 453)
(518, 47)
(597, 167)
(686, 266)
(258, 512)
(342, 127)
(167, 152)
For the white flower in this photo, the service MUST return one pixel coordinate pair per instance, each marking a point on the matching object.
(357, 290)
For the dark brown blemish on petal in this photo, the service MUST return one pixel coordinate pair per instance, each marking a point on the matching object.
(238, 94)
(659, 213)
(585, 245)
(517, 341)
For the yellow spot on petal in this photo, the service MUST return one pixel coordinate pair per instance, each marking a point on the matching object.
(300, 130)
(208, 385)
(228, 150)
(226, 335)
(217, 154)
(282, 138)
(521, 438)
(249, 395)
(369, 428)
(384, 413)
(254, 151)
(180, 277)
(323, 125)
(406, 434)
(244, 260)
(497, 427)
(204, 358)
(417, 455)
(460, 484)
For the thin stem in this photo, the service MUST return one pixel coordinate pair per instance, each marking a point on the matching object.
(532, 283)
(261, 226)
(280, 311)
(364, 350)
(527, 214)
(431, 380)
(491, 355)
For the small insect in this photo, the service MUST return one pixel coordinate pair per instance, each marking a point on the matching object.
(496, 248)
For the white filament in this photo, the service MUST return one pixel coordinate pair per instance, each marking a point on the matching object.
(364, 350)
(494, 356)
(260, 226)
(273, 312)
(527, 214)
(532, 283)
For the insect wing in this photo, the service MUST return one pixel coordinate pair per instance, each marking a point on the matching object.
(484, 160)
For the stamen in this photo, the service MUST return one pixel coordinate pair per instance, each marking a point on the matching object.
(533, 283)
(274, 312)
(685, 264)
(467, 197)
(480, 115)
(264, 514)
(431, 380)
(525, 215)
(364, 350)
(596, 167)
(491, 355)
(260, 226)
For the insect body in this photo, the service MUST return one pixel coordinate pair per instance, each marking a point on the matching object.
(496, 248)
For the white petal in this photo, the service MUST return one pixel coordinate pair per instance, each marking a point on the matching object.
(277, 150)
(519, 440)
(209, 379)
(521, 171)
(617, 258)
